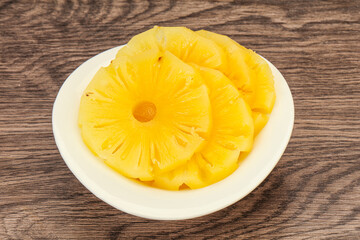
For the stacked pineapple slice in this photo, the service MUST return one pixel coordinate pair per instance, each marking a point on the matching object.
(176, 108)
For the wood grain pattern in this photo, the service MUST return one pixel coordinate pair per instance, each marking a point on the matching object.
(314, 191)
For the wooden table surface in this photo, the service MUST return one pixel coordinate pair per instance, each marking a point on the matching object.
(314, 191)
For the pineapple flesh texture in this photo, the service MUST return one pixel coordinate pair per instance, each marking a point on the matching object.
(251, 75)
(180, 41)
(232, 133)
(260, 121)
(145, 113)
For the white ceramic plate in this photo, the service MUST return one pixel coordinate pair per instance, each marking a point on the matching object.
(133, 198)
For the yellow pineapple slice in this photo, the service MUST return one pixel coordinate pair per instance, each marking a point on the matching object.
(180, 41)
(235, 66)
(260, 120)
(232, 132)
(264, 91)
(144, 113)
(256, 82)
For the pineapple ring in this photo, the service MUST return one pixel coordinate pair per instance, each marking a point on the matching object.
(180, 41)
(232, 132)
(251, 75)
(145, 113)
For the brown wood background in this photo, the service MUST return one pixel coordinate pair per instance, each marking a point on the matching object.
(313, 193)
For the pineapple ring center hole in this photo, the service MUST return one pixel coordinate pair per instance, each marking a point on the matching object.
(144, 111)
